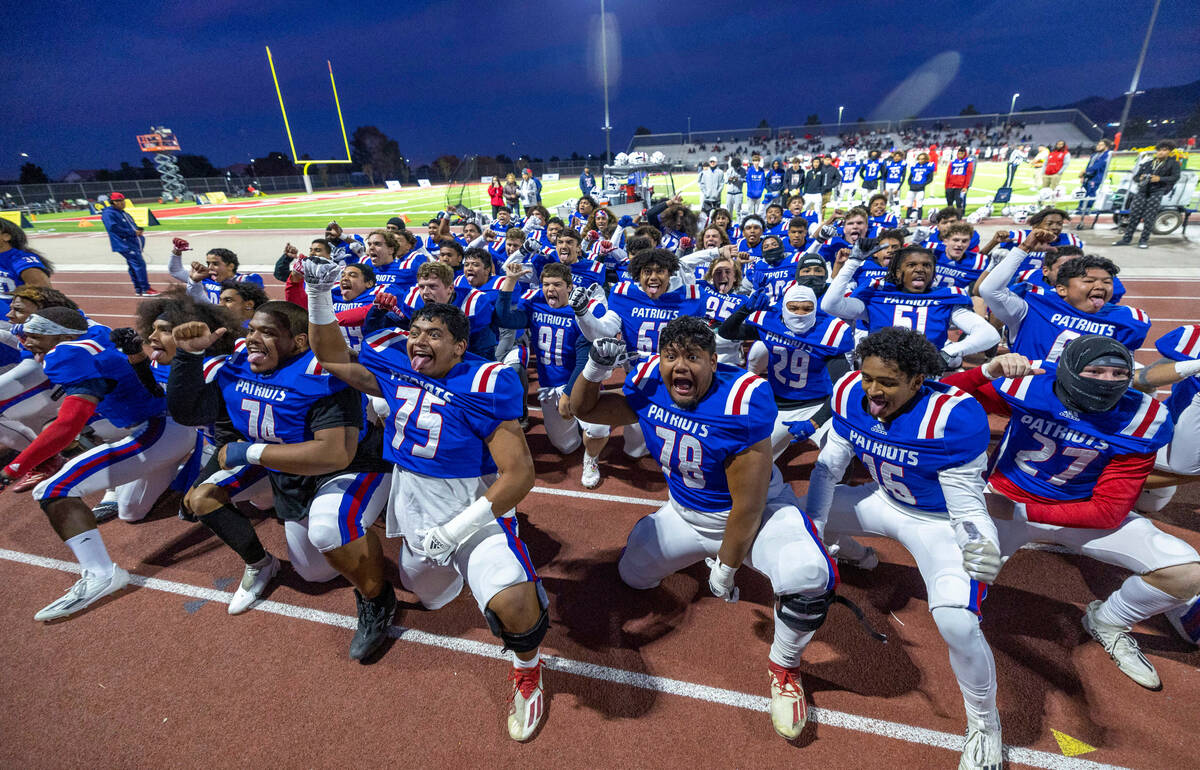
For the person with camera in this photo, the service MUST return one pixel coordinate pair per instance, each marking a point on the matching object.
(711, 181)
(1153, 179)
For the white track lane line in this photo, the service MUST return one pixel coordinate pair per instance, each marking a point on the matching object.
(665, 685)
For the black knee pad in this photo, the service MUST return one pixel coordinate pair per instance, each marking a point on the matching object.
(44, 504)
(803, 613)
(528, 640)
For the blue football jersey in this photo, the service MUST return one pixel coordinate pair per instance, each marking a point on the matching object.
(642, 318)
(477, 306)
(556, 334)
(894, 171)
(212, 289)
(126, 403)
(962, 272)
(440, 427)
(1050, 323)
(849, 171)
(876, 225)
(1033, 260)
(928, 313)
(942, 428)
(796, 363)
(1181, 344)
(1058, 453)
(762, 275)
(1034, 277)
(272, 407)
(718, 306)
(400, 275)
(743, 245)
(12, 263)
(920, 175)
(693, 445)
(872, 169)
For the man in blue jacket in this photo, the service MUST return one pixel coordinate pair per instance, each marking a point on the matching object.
(126, 239)
(1092, 177)
(587, 182)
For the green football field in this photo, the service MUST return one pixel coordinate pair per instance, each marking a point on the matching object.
(371, 208)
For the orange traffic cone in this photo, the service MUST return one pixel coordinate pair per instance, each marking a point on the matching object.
(85, 223)
(232, 221)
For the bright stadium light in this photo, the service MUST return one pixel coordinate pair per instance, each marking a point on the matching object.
(1011, 105)
(840, 116)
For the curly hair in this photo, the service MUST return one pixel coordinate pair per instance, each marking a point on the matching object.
(680, 218)
(656, 257)
(911, 352)
(175, 307)
(606, 231)
(1037, 218)
(1080, 265)
(43, 296)
(687, 332)
(248, 291)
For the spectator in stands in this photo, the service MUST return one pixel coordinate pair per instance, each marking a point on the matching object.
(959, 174)
(126, 239)
(1056, 163)
(512, 195)
(733, 187)
(711, 181)
(496, 195)
(587, 182)
(1153, 179)
(1092, 177)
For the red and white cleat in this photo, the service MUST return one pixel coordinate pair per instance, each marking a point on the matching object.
(789, 711)
(527, 704)
(39, 474)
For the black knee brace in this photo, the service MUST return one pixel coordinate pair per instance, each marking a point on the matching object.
(526, 641)
(807, 613)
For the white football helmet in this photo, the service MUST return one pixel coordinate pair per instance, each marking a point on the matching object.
(637, 157)
(622, 159)
(658, 157)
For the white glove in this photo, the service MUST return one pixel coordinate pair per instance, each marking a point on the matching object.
(981, 556)
(358, 249)
(440, 542)
(607, 354)
(720, 580)
(578, 299)
(320, 274)
(951, 361)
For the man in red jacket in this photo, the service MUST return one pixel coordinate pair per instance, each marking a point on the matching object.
(1078, 448)
(1056, 164)
(959, 174)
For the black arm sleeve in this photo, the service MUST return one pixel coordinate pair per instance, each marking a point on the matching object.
(146, 376)
(734, 327)
(508, 316)
(283, 266)
(653, 212)
(190, 400)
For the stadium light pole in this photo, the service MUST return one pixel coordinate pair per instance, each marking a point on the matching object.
(1137, 73)
(604, 68)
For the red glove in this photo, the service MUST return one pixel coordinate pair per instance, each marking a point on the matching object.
(606, 246)
(593, 235)
(181, 245)
(385, 301)
(685, 242)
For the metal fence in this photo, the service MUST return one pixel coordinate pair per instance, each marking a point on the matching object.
(948, 123)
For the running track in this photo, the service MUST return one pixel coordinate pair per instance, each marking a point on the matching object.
(161, 675)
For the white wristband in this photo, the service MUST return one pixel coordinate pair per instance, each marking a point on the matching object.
(594, 372)
(254, 453)
(471, 518)
(1187, 368)
(320, 307)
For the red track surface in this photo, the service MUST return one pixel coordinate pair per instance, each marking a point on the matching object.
(158, 676)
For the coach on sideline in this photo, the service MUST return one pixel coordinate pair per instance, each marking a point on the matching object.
(126, 239)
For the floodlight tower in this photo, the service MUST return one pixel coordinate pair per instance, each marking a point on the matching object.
(162, 141)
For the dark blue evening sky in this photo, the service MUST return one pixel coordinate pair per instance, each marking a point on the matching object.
(473, 77)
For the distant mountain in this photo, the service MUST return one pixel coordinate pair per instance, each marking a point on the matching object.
(1175, 102)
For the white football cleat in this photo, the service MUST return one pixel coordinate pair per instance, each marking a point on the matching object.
(1122, 648)
(591, 472)
(983, 749)
(527, 705)
(789, 710)
(254, 581)
(89, 589)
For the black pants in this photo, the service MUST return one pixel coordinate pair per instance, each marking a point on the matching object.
(956, 196)
(1011, 174)
(1144, 209)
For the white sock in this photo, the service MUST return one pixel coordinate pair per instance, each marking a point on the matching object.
(1133, 602)
(110, 496)
(531, 663)
(90, 552)
(788, 645)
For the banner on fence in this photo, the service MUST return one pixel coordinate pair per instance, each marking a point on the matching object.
(424, 183)
(549, 177)
(393, 185)
(18, 218)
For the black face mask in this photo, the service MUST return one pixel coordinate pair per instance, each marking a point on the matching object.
(773, 256)
(1086, 394)
(815, 282)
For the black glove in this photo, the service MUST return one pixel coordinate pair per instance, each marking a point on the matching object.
(126, 340)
